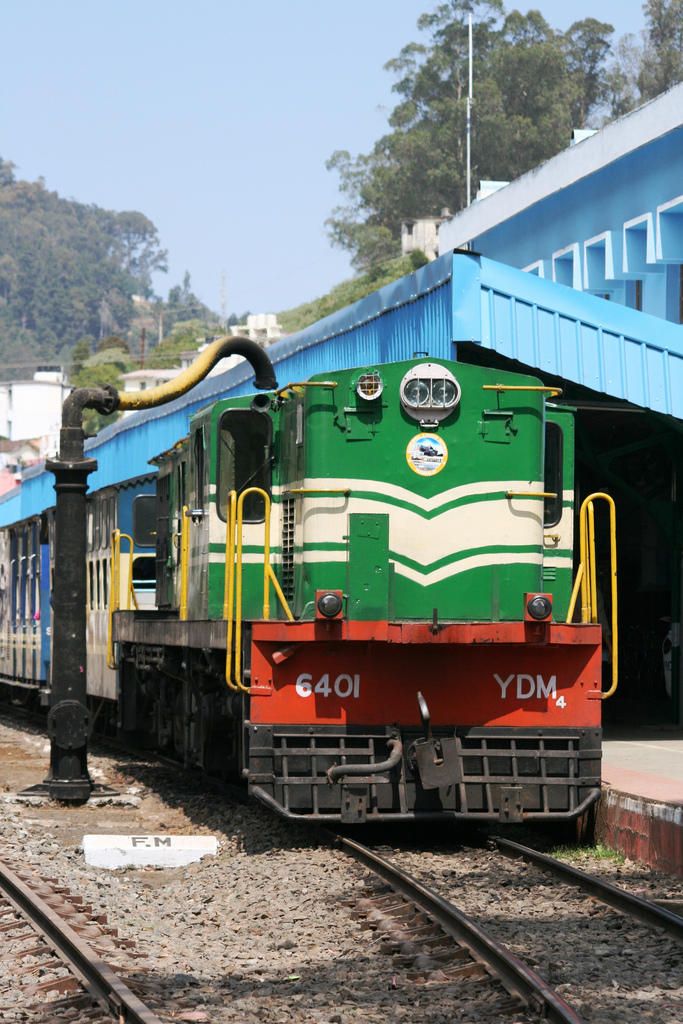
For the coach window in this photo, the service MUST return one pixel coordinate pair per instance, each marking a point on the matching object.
(552, 507)
(244, 460)
(144, 520)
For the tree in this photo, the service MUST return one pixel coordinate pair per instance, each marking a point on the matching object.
(662, 57)
(588, 45)
(183, 305)
(533, 84)
(136, 244)
(79, 355)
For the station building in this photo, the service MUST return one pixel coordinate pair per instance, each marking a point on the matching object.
(604, 218)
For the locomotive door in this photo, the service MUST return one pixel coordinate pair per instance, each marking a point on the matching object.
(198, 595)
(164, 549)
(558, 511)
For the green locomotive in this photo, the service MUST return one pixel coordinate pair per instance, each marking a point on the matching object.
(362, 587)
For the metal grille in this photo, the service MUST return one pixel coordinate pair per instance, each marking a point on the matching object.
(553, 773)
(287, 567)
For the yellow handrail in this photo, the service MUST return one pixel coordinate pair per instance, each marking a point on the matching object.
(307, 384)
(115, 588)
(229, 587)
(234, 547)
(531, 494)
(342, 491)
(551, 392)
(184, 561)
(586, 576)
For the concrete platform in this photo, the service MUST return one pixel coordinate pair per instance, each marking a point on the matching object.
(641, 809)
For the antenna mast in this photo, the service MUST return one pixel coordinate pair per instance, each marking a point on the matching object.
(469, 114)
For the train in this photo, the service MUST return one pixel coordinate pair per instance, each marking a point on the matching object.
(357, 591)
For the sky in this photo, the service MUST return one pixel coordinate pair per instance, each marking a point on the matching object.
(215, 119)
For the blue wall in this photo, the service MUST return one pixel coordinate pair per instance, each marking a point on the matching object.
(626, 189)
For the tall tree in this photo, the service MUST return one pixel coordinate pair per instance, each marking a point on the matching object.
(662, 60)
(532, 85)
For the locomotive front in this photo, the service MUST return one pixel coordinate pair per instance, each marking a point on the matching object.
(424, 668)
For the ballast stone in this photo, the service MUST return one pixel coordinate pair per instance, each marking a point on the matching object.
(147, 850)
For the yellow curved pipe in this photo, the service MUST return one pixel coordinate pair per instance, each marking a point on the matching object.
(185, 380)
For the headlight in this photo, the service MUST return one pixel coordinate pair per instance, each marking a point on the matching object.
(330, 604)
(429, 393)
(416, 393)
(539, 607)
(443, 393)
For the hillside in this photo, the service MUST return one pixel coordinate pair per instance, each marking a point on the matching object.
(67, 270)
(344, 294)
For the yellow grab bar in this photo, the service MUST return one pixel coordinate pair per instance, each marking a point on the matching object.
(530, 494)
(184, 561)
(586, 576)
(115, 588)
(229, 588)
(551, 392)
(234, 633)
(343, 492)
(307, 384)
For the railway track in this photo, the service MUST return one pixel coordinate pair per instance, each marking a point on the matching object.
(645, 911)
(56, 952)
(442, 944)
(450, 958)
(415, 922)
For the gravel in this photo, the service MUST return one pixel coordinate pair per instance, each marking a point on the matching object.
(263, 932)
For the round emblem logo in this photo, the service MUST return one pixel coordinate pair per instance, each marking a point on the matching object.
(426, 454)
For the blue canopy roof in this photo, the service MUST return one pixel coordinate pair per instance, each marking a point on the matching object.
(459, 297)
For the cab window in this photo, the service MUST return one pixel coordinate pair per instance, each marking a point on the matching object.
(552, 507)
(244, 460)
(144, 520)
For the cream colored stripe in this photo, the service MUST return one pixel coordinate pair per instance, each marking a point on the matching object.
(466, 565)
(481, 524)
(382, 489)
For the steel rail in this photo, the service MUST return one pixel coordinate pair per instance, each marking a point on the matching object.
(635, 906)
(516, 977)
(101, 982)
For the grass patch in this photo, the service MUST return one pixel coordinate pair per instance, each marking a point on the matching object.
(346, 293)
(580, 853)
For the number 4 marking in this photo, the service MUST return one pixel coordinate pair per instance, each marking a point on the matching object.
(323, 685)
(561, 702)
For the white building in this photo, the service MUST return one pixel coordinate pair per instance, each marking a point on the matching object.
(422, 235)
(260, 327)
(33, 408)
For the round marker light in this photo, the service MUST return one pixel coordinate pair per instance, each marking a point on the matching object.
(369, 386)
(329, 605)
(539, 607)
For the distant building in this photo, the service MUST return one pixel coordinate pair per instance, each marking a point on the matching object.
(422, 235)
(33, 408)
(261, 327)
(142, 380)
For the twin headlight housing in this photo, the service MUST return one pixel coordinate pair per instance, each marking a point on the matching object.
(429, 392)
